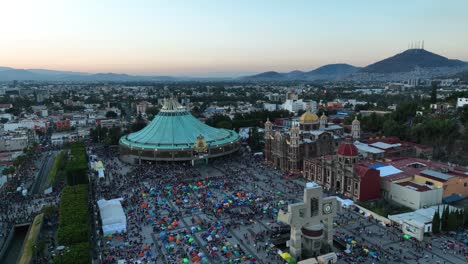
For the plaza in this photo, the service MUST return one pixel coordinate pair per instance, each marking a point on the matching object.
(226, 212)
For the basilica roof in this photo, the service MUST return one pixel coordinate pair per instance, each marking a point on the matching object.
(176, 128)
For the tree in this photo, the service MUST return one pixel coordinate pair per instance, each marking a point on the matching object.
(139, 124)
(152, 111)
(465, 215)
(436, 222)
(452, 221)
(224, 124)
(111, 114)
(8, 170)
(392, 128)
(464, 114)
(434, 92)
(255, 140)
(444, 220)
(460, 220)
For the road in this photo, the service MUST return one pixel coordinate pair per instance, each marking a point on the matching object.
(41, 181)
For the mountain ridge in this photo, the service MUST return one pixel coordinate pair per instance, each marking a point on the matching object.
(328, 71)
(410, 60)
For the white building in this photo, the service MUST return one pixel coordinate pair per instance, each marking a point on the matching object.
(418, 222)
(25, 123)
(270, 107)
(462, 102)
(297, 105)
(63, 137)
(12, 144)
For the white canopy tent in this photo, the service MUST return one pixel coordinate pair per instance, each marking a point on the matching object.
(112, 216)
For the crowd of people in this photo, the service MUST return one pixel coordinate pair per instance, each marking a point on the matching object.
(177, 214)
(17, 207)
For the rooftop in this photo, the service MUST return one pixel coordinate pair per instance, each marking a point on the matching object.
(176, 128)
(383, 145)
(436, 174)
(397, 168)
(415, 186)
(422, 216)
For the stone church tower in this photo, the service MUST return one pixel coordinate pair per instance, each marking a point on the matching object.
(294, 155)
(356, 129)
(323, 121)
(268, 139)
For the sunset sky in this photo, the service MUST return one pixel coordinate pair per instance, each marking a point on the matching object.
(203, 38)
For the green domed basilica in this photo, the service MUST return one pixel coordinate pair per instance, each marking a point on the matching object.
(176, 135)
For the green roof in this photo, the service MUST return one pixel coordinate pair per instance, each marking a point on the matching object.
(176, 128)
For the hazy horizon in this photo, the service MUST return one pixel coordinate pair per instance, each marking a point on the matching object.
(227, 38)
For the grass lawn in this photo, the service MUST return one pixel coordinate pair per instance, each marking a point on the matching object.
(384, 208)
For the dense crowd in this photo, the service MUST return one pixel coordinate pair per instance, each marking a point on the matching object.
(15, 207)
(189, 214)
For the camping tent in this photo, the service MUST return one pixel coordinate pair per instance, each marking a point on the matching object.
(112, 216)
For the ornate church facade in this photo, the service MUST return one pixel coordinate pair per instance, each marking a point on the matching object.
(310, 137)
(342, 173)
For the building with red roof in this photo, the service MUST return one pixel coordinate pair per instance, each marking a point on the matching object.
(343, 174)
(395, 147)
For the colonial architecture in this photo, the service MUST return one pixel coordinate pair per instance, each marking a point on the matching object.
(310, 136)
(343, 174)
(356, 129)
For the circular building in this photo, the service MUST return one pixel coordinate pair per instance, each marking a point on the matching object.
(176, 135)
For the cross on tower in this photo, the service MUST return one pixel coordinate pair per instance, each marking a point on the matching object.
(311, 223)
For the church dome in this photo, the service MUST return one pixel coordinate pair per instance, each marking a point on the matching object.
(348, 149)
(323, 116)
(176, 128)
(308, 117)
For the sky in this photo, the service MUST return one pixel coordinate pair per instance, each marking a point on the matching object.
(222, 37)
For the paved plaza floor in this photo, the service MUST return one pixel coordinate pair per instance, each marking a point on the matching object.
(226, 212)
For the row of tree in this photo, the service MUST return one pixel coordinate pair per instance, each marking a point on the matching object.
(438, 131)
(252, 119)
(74, 226)
(449, 220)
(76, 169)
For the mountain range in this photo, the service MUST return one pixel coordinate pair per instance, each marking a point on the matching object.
(407, 63)
(411, 63)
(329, 71)
(10, 74)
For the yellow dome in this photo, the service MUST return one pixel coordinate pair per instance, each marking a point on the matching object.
(308, 117)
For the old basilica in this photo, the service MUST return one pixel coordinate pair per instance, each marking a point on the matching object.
(308, 137)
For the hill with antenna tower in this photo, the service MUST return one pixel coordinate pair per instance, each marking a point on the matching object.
(413, 58)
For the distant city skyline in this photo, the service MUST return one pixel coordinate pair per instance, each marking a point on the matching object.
(222, 38)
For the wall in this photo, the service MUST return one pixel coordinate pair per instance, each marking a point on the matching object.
(414, 199)
(7, 242)
(456, 185)
(374, 215)
(369, 188)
